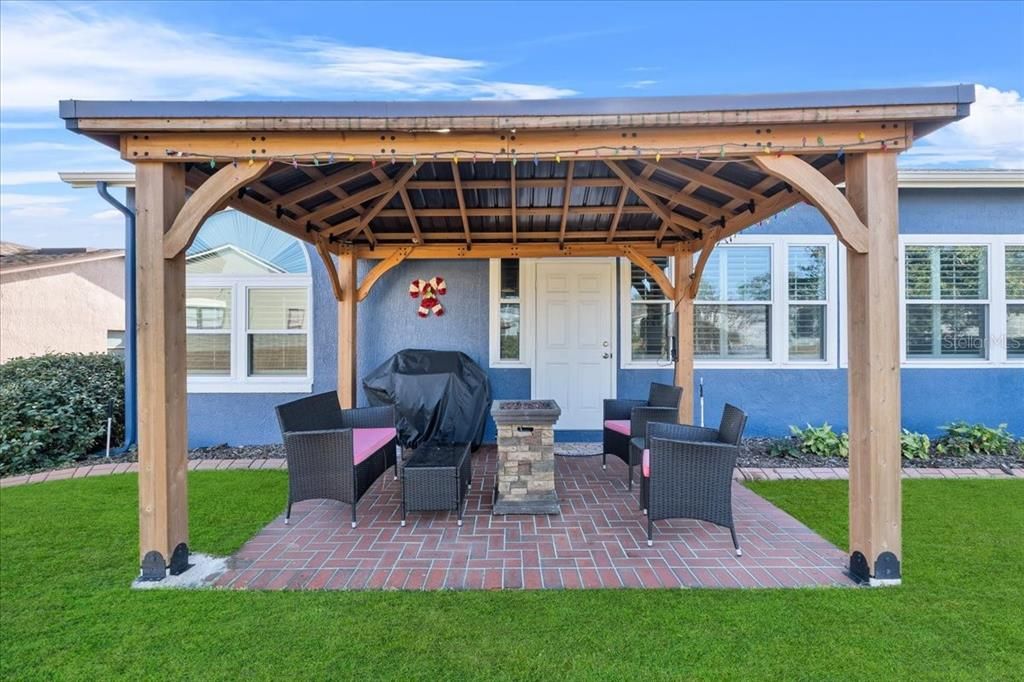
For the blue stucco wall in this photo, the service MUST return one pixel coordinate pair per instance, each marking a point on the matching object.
(774, 398)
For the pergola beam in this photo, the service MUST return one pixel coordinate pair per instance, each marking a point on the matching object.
(205, 201)
(462, 203)
(822, 193)
(532, 250)
(332, 272)
(617, 216)
(567, 195)
(668, 219)
(378, 270)
(163, 405)
(724, 141)
(652, 269)
(709, 180)
(874, 372)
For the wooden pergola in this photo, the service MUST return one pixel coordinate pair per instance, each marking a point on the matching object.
(633, 178)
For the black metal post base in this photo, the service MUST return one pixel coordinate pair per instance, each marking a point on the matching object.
(154, 566)
(886, 569)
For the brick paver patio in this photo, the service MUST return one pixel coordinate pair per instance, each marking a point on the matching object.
(598, 541)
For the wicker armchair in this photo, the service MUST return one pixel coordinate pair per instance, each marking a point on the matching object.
(334, 454)
(687, 472)
(626, 419)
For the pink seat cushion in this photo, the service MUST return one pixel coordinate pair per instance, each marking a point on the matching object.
(647, 463)
(365, 442)
(618, 426)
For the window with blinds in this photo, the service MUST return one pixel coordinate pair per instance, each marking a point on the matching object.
(946, 301)
(808, 301)
(208, 331)
(510, 310)
(276, 331)
(732, 315)
(650, 314)
(247, 307)
(1014, 268)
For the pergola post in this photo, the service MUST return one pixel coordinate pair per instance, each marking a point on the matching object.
(347, 308)
(162, 405)
(682, 266)
(874, 371)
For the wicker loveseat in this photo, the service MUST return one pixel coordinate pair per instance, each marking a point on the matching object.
(623, 418)
(334, 454)
(687, 472)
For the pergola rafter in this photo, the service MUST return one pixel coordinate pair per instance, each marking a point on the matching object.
(650, 178)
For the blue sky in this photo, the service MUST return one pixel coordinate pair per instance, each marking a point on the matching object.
(278, 50)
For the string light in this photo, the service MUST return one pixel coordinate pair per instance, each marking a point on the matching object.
(749, 152)
(860, 136)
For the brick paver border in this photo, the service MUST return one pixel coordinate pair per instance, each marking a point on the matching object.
(741, 474)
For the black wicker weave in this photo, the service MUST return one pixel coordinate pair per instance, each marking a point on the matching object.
(662, 405)
(317, 437)
(437, 478)
(691, 472)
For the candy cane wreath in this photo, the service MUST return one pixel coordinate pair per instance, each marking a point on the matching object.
(429, 291)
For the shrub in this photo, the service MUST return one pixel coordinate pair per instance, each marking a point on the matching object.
(914, 445)
(820, 440)
(961, 438)
(53, 408)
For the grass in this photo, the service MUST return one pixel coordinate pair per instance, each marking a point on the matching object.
(68, 552)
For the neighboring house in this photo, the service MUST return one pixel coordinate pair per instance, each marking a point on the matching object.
(60, 300)
(770, 320)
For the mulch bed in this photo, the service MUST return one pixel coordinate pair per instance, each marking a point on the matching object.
(755, 452)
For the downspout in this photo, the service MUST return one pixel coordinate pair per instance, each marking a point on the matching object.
(130, 371)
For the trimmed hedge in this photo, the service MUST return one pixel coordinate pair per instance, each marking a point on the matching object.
(53, 409)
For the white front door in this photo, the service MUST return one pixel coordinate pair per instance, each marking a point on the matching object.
(575, 361)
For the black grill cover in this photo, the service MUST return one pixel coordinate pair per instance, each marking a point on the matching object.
(438, 396)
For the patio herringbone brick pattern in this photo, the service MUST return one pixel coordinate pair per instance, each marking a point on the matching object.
(598, 541)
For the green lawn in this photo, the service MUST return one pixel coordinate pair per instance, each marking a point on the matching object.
(68, 552)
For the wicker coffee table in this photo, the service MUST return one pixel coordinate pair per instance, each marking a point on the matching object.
(436, 478)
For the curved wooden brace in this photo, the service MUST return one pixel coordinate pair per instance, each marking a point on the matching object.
(205, 201)
(396, 257)
(707, 245)
(332, 272)
(652, 269)
(820, 191)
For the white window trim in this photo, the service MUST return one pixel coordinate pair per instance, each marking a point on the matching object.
(626, 320)
(527, 308)
(997, 301)
(779, 332)
(239, 381)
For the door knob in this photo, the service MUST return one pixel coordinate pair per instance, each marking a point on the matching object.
(606, 355)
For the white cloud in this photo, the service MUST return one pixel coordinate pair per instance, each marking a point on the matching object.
(991, 137)
(641, 84)
(29, 125)
(109, 214)
(94, 55)
(16, 200)
(41, 211)
(28, 177)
